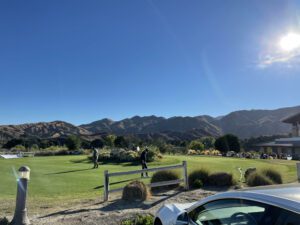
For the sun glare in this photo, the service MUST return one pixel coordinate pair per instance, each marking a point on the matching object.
(290, 42)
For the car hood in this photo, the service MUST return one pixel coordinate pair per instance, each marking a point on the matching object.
(169, 212)
(182, 206)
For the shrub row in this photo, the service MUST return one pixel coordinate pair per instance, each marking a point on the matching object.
(203, 152)
(123, 155)
(202, 177)
(137, 190)
(60, 152)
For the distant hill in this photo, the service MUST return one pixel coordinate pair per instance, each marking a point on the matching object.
(253, 123)
(40, 130)
(244, 123)
(153, 124)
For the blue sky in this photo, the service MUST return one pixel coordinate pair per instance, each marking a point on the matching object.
(81, 61)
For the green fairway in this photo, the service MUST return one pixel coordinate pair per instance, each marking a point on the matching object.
(66, 178)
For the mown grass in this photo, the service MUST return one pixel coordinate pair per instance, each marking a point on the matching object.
(58, 180)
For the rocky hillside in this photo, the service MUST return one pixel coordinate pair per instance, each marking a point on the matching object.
(257, 122)
(153, 124)
(41, 130)
(244, 123)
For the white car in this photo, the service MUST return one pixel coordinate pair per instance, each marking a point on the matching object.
(277, 205)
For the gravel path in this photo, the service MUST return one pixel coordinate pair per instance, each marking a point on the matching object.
(113, 211)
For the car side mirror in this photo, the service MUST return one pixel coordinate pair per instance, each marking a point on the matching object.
(182, 219)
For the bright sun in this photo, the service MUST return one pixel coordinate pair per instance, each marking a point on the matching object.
(290, 42)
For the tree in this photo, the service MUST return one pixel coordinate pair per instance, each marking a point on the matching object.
(12, 143)
(228, 142)
(73, 142)
(121, 142)
(162, 145)
(109, 140)
(97, 143)
(196, 145)
(34, 147)
(209, 142)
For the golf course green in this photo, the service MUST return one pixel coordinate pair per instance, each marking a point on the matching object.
(66, 178)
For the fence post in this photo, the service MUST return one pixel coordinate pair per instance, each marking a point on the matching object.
(185, 176)
(298, 171)
(106, 185)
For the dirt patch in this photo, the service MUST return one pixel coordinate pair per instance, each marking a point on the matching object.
(113, 211)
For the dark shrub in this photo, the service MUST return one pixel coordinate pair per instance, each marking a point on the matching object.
(258, 179)
(200, 174)
(228, 142)
(248, 172)
(62, 152)
(153, 154)
(221, 179)
(73, 142)
(4, 221)
(197, 183)
(128, 156)
(273, 175)
(135, 191)
(164, 176)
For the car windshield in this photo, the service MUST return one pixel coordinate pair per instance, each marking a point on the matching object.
(225, 213)
(235, 212)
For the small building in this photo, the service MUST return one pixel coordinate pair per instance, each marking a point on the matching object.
(286, 146)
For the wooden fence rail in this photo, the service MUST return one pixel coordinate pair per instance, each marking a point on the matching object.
(182, 166)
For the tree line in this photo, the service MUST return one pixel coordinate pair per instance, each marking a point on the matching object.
(224, 143)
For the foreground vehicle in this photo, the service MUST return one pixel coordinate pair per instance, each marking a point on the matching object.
(277, 205)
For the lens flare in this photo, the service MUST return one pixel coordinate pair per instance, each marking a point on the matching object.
(290, 42)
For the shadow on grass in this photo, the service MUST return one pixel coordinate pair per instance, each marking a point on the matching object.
(114, 162)
(118, 204)
(86, 160)
(68, 171)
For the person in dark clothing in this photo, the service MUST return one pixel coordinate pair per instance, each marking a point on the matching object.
(95, 158)
(144, 162)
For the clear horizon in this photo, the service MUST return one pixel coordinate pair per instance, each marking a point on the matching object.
(79, 62)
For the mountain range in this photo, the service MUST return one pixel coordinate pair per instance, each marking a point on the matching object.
(243, 123)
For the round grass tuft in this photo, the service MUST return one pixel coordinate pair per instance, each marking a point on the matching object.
(135, 191)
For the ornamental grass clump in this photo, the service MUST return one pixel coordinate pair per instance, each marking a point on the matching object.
(135, 191)
(258, 179)
(221, 179)
(248, 172)
(273, 175)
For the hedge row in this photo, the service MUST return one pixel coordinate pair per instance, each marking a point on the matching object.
(202, 177)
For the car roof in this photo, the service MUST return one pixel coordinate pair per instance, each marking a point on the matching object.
(283, 196)
(289, 192)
